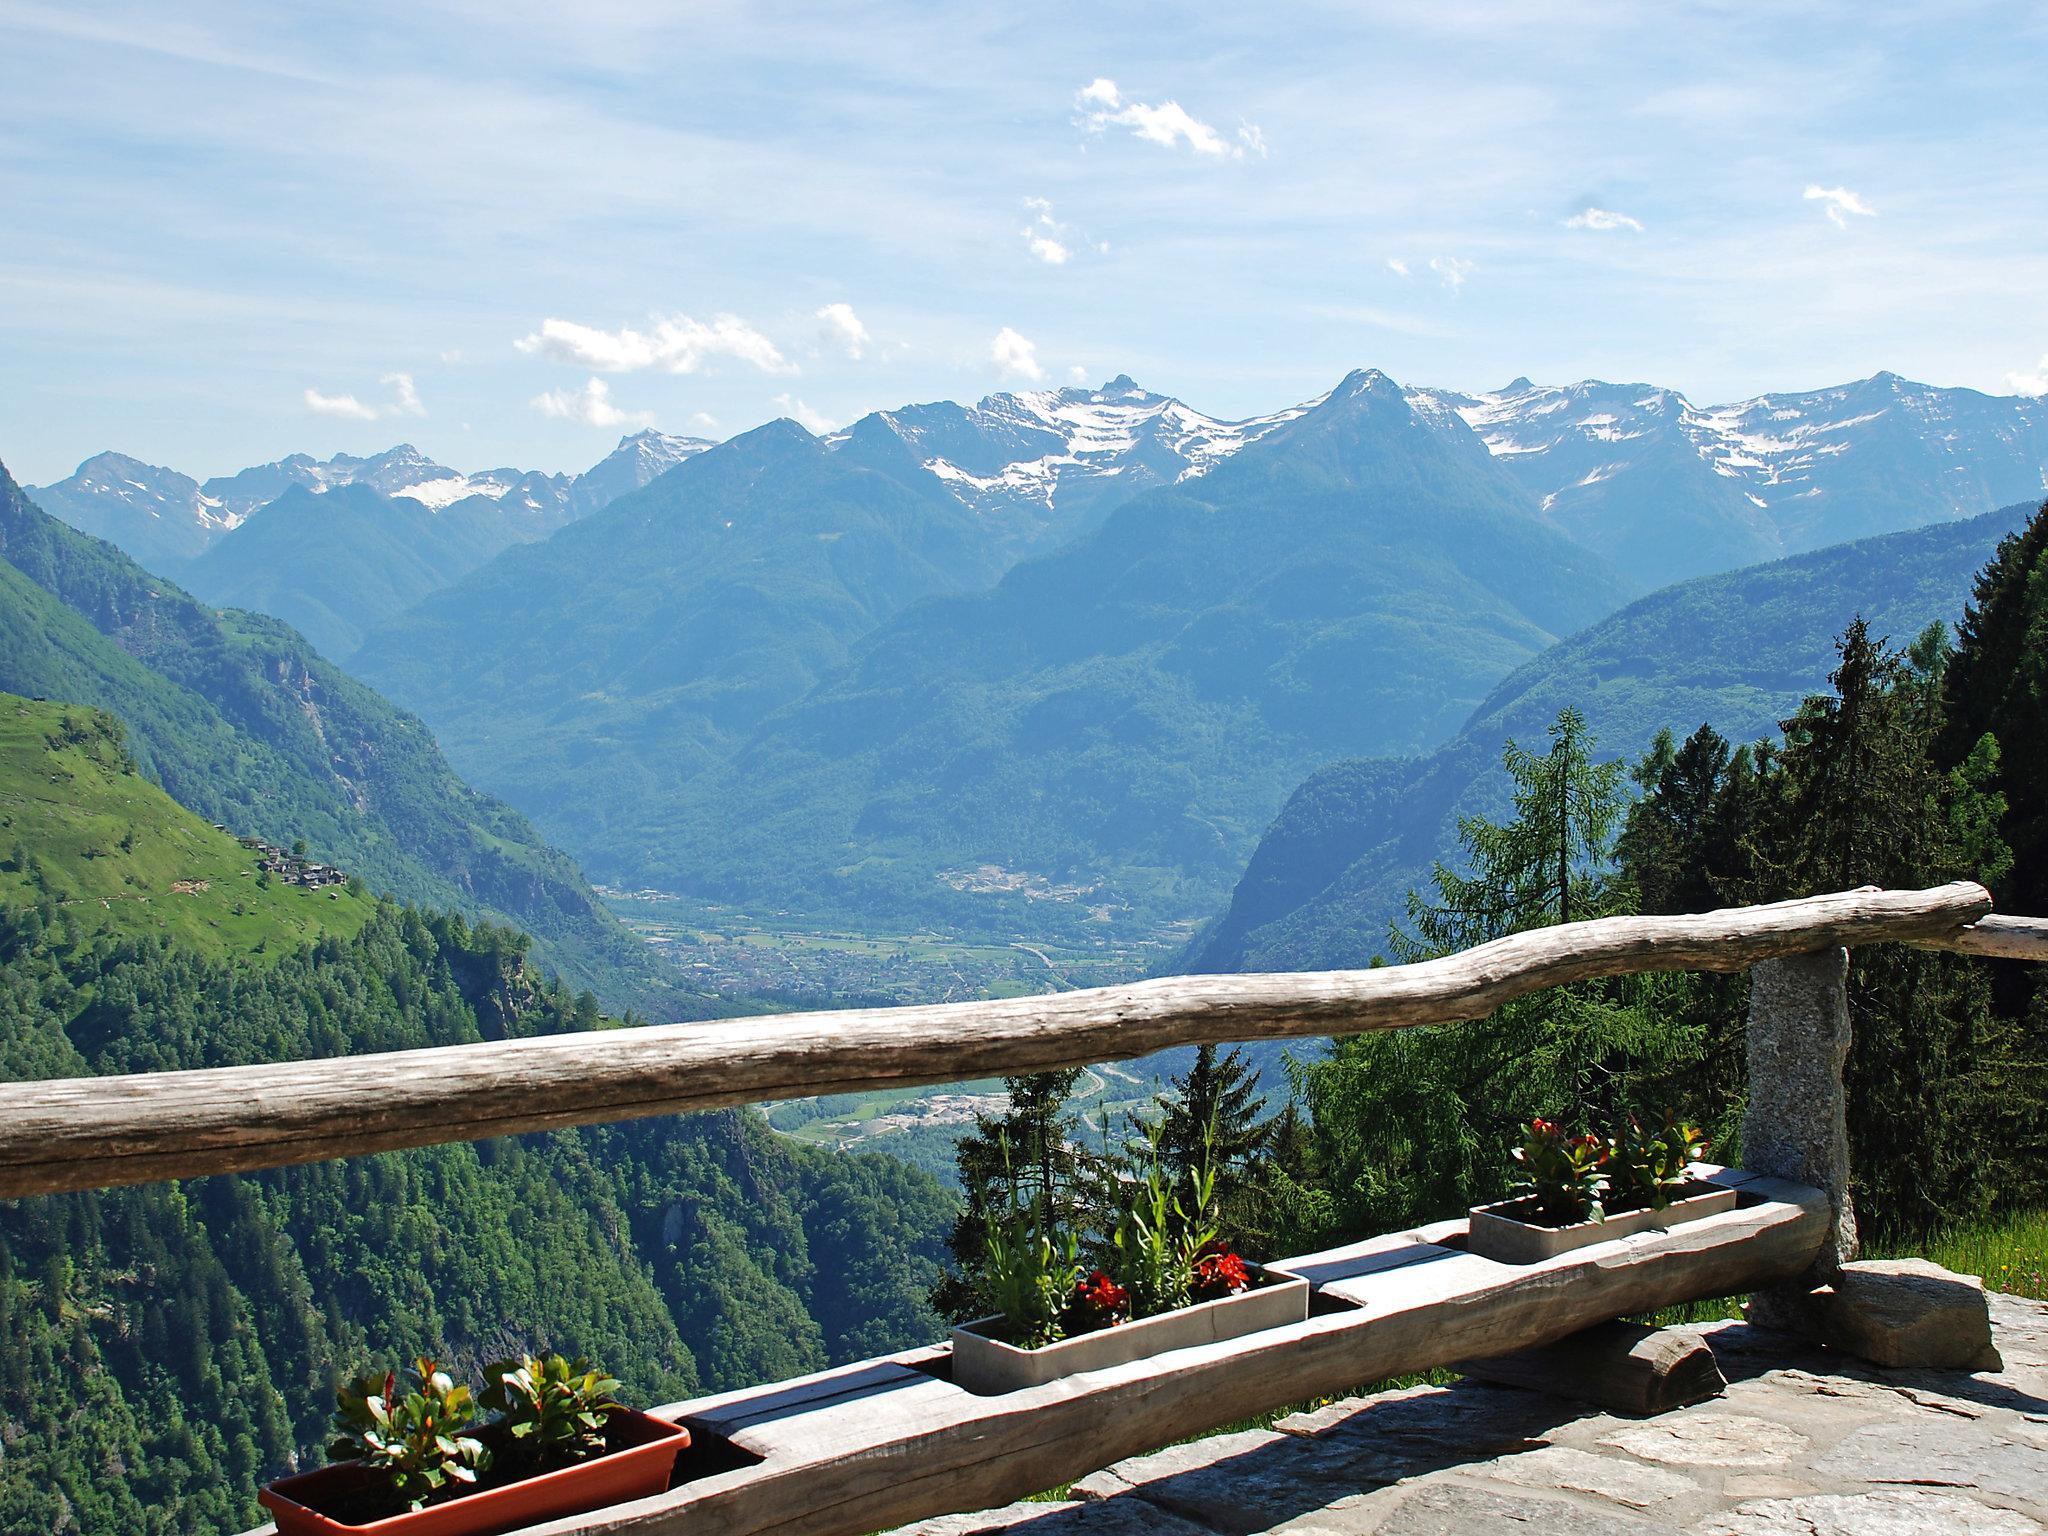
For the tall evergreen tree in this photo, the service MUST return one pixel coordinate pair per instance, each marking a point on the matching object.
(1211, 1116)
(1030, 1155)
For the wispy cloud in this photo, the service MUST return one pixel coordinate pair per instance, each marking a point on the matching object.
(347, 406)
(1603, 218)
(676, 343)
(404, 401)
(815, 422)
(1015, 356)
(1167, 123)
(591, 405)
(842, 328)
(1047, 239)
(1451, 270)
(1841, 203)
(1397, 266)
(2035, 383)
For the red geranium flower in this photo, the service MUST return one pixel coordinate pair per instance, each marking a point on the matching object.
(1221, 1274)
(1099, 1302)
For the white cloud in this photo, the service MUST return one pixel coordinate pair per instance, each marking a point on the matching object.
(704, 421)
(1168, 123)
(1603, 218)
(1015, 357)
(814, 422)
(1453, 270)
(339, 405)
(405, 401)
(1046, 248)
(1397, 266)
(591, 405)
(675, 342)
(1078, 373)
(2035, 383)
(1051, 241)
(1841, 202)
(842, 328)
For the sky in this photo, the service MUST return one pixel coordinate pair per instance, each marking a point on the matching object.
(510, 232)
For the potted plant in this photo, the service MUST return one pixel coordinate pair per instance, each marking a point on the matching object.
(1175, 1284)
(423, 1463)
(1573, 1190)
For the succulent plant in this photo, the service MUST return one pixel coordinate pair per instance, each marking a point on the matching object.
(1565, 1176)
(1647, 1168)
(551, 1410)
(420, 1441)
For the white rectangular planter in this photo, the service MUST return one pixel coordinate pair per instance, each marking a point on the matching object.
(985, 1365)
(1498, 1233)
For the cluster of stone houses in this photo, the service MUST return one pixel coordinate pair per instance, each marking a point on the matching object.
(289, 867)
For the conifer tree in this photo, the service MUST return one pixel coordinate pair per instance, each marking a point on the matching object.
(1212, 1116)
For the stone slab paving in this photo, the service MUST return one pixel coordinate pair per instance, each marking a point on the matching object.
(1804, 1443)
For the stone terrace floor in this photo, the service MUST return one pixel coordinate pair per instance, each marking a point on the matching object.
(1803, 1443)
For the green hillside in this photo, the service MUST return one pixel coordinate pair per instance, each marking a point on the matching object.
(246, 724)
(335, 564)
(1737, 651)
(167, 1348)
(81, 828)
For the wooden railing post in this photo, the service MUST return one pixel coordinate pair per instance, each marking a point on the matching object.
(1796, 1123)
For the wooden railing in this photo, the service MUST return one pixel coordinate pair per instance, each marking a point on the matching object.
(84, 1133)
(891, 1440)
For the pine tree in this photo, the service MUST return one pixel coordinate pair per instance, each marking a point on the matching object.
(1027, 1156)
(1212, 1116)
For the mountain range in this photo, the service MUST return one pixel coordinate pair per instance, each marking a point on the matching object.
(1119, 715)
(243, 722)
(1084, 640)
(1736, 651)
(164, 518)
(1667, 489)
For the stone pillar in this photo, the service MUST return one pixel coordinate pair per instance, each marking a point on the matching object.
(1796, 1125)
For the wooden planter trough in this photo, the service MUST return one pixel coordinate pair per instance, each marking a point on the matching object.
(984, 1363)
(1505, 1232)
(870, 1446)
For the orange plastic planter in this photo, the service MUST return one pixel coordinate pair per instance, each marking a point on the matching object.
(644, 1454)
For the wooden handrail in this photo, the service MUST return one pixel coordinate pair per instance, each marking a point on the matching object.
(96, 1132)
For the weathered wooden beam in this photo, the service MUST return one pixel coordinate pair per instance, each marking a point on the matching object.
(1622, 1367)
(84, 1133)
(1997, 937)
(874, 1446)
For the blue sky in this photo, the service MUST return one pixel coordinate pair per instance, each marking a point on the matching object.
(509, 232)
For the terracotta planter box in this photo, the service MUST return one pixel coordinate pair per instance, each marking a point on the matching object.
(1499, 1232)
(984, 1364)
(643, 1453)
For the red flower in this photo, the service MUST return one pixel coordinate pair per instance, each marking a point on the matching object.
(1221, 1274)
(1100, 1299)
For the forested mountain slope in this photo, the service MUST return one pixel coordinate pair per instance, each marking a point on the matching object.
(163, 1349)
(1737, 651)
(588, 677)
(1111, 725)
(334, 564)
(243, 722)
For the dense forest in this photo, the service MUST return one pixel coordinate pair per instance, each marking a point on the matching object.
(166, 1348)
(1919, 765)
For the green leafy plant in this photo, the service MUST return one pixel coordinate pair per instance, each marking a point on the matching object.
(420, 1441)
(1162, 1235)
(1029, 1277)
(1647, 1168)
(1565, 1177)
(551, 1410)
